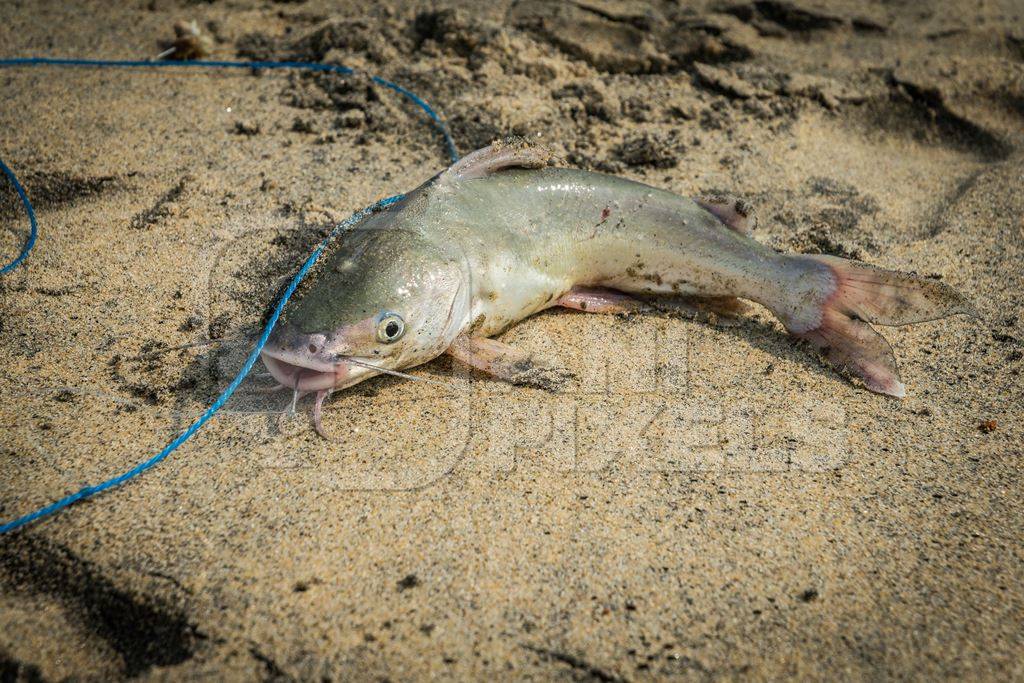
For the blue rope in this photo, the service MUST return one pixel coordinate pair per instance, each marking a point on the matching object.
(221, 400)
(254, 355)
(33, 227)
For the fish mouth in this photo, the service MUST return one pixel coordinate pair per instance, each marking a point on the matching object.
(307, 374)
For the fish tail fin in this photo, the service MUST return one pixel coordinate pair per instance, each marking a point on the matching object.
(834, 301)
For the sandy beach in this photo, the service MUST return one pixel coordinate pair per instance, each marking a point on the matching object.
(704, 501)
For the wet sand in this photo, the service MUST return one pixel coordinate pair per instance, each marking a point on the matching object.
(702, 502)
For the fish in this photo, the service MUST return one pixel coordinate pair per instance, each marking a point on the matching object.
(507, 232)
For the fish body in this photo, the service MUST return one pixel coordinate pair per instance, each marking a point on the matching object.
(531, 236)
(501, 236)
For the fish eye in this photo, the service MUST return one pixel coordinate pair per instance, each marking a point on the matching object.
(390, 328)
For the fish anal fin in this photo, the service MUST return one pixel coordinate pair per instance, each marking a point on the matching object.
(736, 214)
(724, 311)
(600, 300)
(510, 152)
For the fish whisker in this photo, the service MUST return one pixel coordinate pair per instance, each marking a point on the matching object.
(396, 373)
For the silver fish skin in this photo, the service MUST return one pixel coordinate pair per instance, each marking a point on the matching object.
(498, 238)
(530, 236)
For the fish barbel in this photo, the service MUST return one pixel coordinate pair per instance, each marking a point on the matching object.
(502, 235)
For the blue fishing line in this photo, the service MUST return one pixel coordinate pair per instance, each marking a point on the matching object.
(33, 227)
(221, 400)
(90, 491)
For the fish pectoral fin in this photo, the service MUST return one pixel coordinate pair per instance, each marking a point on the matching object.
(600, 300)
(509, 363)
(510, 152)
(736, 214)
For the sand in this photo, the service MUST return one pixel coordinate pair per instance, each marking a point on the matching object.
(703, 502)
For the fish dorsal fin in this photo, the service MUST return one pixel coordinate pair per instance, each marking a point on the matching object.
(734, 213)
(510, 152)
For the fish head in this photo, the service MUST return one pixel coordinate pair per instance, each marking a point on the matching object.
(388, 298)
